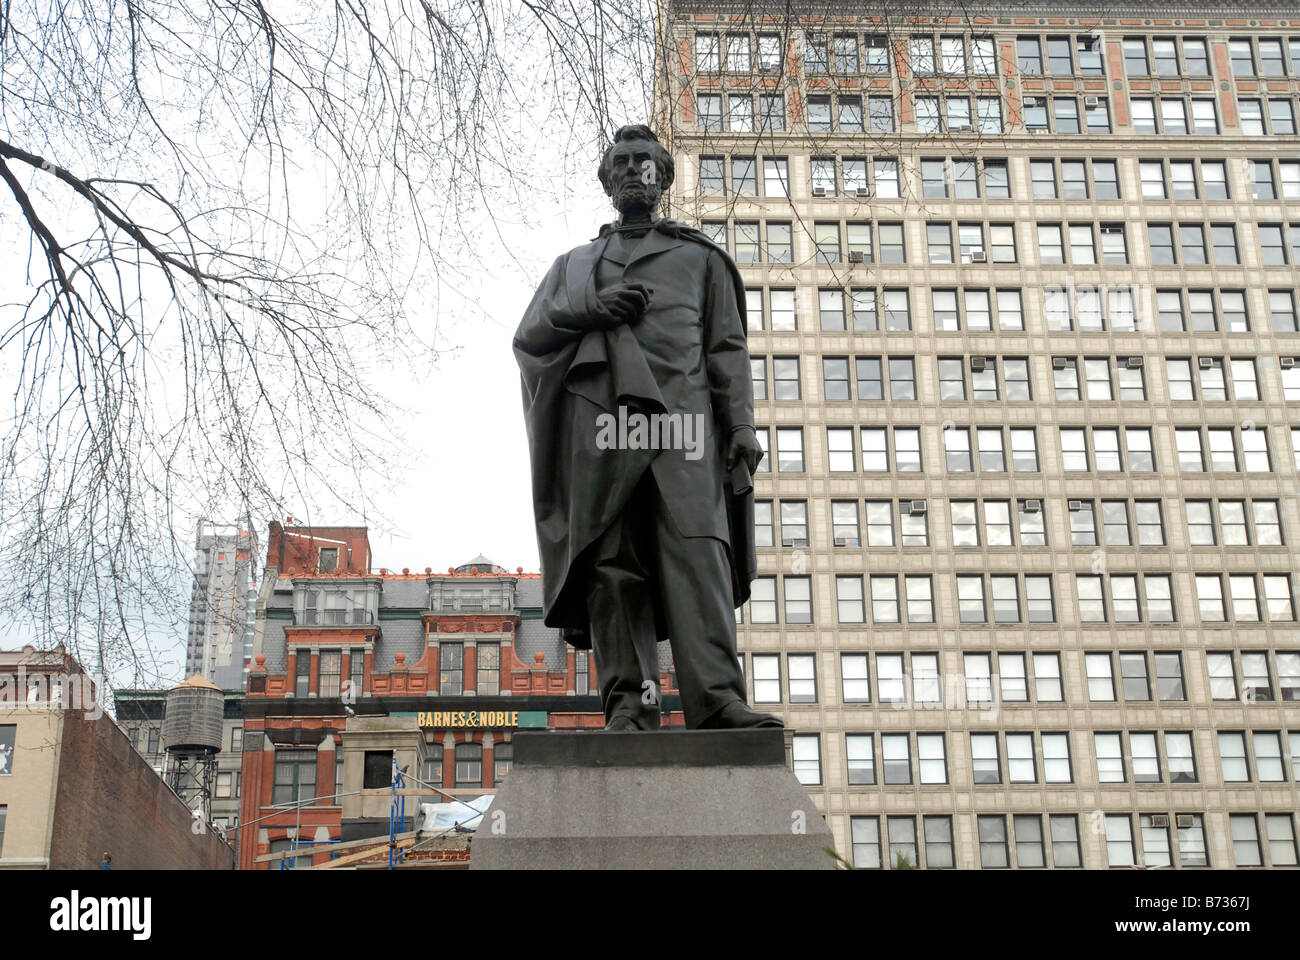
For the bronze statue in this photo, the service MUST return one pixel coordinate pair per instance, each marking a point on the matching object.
(640, 416)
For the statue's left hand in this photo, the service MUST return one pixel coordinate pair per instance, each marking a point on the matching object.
(743, 444)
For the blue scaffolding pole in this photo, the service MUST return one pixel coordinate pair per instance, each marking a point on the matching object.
(396, 816)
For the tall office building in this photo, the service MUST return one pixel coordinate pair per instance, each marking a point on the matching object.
(1021, 295)
(222, 606)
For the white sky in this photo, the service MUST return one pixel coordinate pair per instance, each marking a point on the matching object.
(472, 494)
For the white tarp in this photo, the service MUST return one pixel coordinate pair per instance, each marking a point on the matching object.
(435, 817)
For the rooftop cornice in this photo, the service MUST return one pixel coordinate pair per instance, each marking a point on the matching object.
(900, 12)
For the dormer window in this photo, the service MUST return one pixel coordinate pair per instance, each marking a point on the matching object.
(329, 559)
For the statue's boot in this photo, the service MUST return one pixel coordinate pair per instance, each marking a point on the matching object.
(736, 715)
(622, 724)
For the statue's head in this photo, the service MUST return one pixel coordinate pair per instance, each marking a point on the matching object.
(636, 169)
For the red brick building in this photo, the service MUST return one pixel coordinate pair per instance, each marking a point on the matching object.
(353, 667)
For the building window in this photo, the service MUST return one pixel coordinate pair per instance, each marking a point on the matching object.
(849, 599)
(806, 750)
(803, 677)
(889, 680)
(798, 600)
(938, 843)
(582, 672)
(767, 678)
(1169, 675)
(789, 450)
(153, 742)
(860, 751)
(356, 672)
(331, 669)
(1245, 840)
(1191, 840)
(302, 680)
(503, 755)
(854, 679)
(1232, 757)
(902, 842)
(993, 843)
(295, 776)
(225, 786)
(865, 837)
(377, 772)
(835, 378)
(469, 764)
(431, 769)
(985, 762)
(487, 683)
(1119, 841)
(8, 734)
(329, 559)
(896, 757)
(451, 669)
(236, 739)
(1101, 683)
(1269, 767)
(1279, 830)
(1056, 758)
(762, 600)
(931, 755)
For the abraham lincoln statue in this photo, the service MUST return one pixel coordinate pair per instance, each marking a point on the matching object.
(644, 534)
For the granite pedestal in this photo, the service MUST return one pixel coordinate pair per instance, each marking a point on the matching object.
(669, 799)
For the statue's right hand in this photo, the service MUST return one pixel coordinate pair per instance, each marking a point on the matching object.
(622, 303)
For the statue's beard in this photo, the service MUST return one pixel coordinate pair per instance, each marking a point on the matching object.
(636, 197)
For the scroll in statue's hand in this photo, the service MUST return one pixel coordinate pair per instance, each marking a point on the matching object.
(743, 445)
(621, 303)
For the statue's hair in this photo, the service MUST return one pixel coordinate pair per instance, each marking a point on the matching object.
(638, 131)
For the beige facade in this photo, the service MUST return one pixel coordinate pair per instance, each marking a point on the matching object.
(27, 789)
(1029, 397)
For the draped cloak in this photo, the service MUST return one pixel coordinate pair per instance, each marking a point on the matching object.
(687, 355)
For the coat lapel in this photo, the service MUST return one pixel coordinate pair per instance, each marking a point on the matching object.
(655, 242)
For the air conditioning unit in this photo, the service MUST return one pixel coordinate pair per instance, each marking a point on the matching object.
(979, 256)
(1033, 506)
(794, 541)
(841, 541)
(1205, 362)
(978, 364)
(1133, 363)
(1074, 504)
(1159, 819)
(1031, 101)
(819, 191)
(960, 128)
(1091, 101)
(863, 192)
(855, 256)
(1060, 363)
(1286, 362)
(1185, 820)
(916, 508)
(1038, 130)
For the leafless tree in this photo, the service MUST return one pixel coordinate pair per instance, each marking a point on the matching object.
(221, 223)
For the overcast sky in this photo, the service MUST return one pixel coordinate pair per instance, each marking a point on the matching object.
(471, 493)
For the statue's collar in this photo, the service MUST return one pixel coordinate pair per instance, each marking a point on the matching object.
(662, 224)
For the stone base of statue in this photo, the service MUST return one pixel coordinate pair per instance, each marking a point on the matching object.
(669, 799)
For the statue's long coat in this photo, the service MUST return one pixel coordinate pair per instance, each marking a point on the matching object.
(687, 355)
